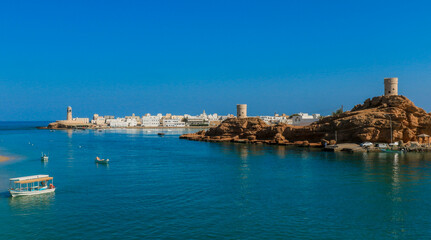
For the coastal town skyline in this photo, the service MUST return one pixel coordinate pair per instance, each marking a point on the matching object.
(176, 121)
(232, 113)
(141, 56)
(390, 88)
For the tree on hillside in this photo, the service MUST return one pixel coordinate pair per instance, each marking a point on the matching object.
(338, 111)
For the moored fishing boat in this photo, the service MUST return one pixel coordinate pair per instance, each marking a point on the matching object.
(105, 161)
(391, 151)
(44, 158)
(31, 185)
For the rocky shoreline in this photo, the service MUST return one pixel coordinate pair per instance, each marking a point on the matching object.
(372, 121)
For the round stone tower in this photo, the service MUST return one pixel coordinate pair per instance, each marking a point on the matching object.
(391, 86)
(241, 110)
(69, 113)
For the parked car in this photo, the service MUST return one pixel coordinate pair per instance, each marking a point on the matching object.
(393, 144)
(381, 145)
(366, 144)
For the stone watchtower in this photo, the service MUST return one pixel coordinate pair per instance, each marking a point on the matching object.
(69, 113)
(241, 110)
(391, 86)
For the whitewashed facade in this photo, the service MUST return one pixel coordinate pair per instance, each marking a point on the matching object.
(173, 123)
(303, 119)
(150, 121)
(117, 122)
(276, 119)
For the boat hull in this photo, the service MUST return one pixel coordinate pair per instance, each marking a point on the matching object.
(102, 161)
(390, 151)
(30, 193)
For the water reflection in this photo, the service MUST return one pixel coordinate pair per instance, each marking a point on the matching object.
(102, 165)
(399, 167)
(396, 172)
(44, 163)
(281, 151)
(243, 151)
(36, 202)
(69, 133)
(392, 168)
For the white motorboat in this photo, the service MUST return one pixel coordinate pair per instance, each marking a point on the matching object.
(105, 161)
(44, 158)
(31, 185)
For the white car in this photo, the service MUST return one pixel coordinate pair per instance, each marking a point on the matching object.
(381, 145)
(366, 144)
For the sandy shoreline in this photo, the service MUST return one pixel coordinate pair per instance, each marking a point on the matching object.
(4, 158)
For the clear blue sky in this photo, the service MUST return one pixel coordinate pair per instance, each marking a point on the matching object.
(123, 57)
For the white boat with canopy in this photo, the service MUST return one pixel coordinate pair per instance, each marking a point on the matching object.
(104, 161)
(31, 185)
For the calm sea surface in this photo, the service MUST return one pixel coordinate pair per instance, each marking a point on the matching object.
(167, 188)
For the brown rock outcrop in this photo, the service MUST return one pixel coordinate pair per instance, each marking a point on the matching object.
(69, 125)
(369, 121)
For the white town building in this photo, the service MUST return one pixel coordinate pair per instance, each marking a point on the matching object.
(151, 121)
(131, 122)
(276, 119)
(117, 122)
(173, 123)
(303, 119)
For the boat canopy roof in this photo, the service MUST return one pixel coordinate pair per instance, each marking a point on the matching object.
(34, 178)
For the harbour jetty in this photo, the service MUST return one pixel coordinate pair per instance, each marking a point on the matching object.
(385, 119)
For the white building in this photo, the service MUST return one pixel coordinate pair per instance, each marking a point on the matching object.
(151, 121)
(117, 122)
(81, 120)
(201, 120)
(173, 123)
(303, 119)
(276, 119)
(213, 117)
(196, 121)
(98, 120)
(131, 122)
(137, 118)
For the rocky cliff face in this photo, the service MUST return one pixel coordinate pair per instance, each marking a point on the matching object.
(369, 121)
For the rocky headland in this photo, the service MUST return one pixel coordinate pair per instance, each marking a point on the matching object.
(370, 121)
(68, 125)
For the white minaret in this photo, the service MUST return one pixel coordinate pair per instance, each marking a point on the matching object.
(241, 110)
(69, 113)
(391, 86)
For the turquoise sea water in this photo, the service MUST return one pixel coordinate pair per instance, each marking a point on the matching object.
(167, 188)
